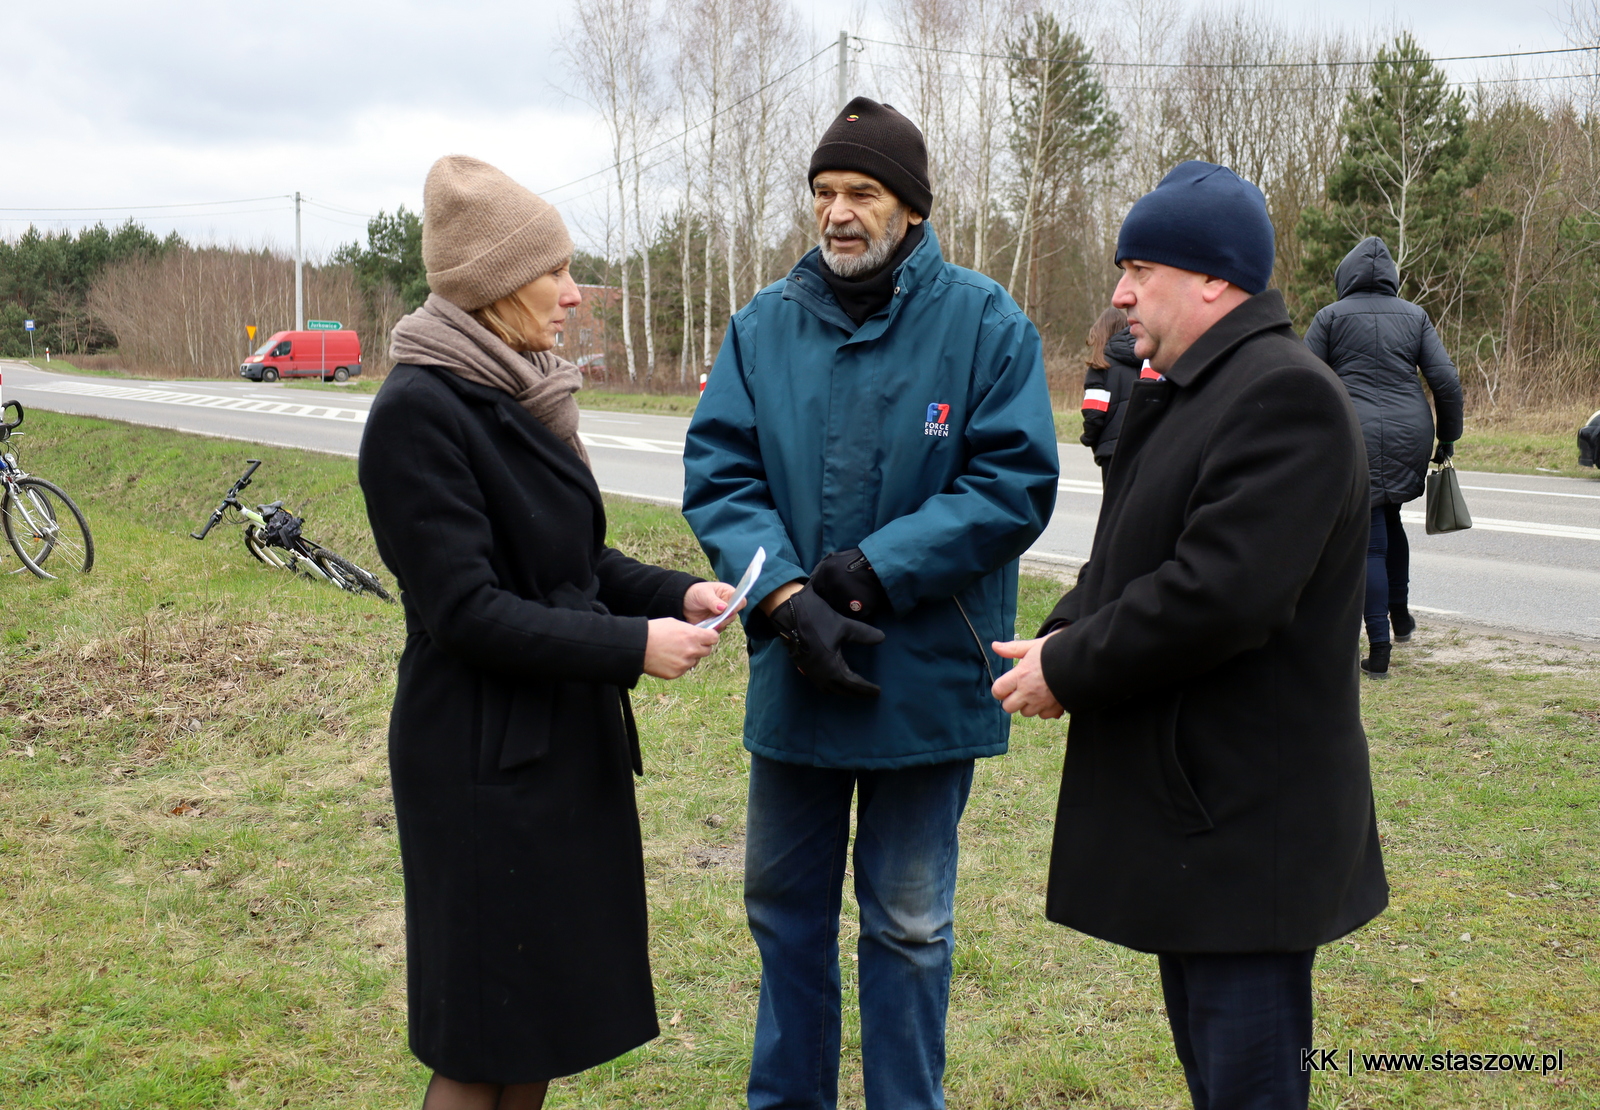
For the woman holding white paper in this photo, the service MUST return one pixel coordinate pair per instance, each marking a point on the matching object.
(512, 747)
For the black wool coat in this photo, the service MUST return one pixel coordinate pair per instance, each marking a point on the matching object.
(1216, 794)
(511, 745)
(1376, 342)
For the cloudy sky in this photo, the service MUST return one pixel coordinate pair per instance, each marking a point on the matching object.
(120, 107)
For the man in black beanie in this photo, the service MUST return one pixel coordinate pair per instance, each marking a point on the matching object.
(878, 421)
(1216, 804)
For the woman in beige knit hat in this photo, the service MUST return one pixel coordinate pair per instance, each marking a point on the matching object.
(512, 747)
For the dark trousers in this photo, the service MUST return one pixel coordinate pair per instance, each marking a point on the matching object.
(1388, 571)
(1239, 1023)
(796, 859)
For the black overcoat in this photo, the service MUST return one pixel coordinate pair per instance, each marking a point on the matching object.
(511, 744)
(1377, 342)
(1216, 795)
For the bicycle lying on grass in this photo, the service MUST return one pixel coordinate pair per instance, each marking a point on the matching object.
(42, 523)
(272, 535)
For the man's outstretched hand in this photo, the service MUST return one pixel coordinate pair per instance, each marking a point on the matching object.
(1022, 689)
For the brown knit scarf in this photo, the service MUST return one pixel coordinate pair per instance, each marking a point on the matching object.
(441, 334)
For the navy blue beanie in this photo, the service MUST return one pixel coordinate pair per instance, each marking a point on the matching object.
(1203, 218)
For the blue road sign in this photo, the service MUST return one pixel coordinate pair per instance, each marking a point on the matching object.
(27, 325)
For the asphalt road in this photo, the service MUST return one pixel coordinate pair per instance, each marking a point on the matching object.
(1531, 563)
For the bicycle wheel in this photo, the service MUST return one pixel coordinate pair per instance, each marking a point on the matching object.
(346, 575)
(261, 550)
(43, 525)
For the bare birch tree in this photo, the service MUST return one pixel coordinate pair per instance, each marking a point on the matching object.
(609, 53)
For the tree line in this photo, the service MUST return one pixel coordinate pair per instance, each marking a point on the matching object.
(1042, 129)
(127, 298)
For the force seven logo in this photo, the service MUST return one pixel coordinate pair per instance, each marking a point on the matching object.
(937, 415)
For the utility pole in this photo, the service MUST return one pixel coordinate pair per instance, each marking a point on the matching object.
(844, 69)
(299, 264)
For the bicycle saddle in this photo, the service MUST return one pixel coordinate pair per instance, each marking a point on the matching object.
(268, 510)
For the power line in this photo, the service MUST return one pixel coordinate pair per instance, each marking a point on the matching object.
(1298, 88)
(696, 126)
(336, 208)
(148, 207)
(173, 216)
(1215, 65)
(331, 220)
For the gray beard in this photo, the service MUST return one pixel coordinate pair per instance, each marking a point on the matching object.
(874, 258)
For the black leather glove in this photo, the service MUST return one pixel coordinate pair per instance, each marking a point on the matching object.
(814, 634)
(1444, 452)
(846, 581)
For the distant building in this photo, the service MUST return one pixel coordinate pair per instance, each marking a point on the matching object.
(586, 338)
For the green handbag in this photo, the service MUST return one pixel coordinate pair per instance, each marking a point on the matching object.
(1446, 508)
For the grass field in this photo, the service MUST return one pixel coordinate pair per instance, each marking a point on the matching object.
(354, 385)
(62, 366)
(200, 899)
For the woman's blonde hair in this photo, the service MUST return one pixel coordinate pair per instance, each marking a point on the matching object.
(1111, 321)
(512, 319)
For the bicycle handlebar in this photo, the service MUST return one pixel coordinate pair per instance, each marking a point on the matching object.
(229, 498)
(9, 426)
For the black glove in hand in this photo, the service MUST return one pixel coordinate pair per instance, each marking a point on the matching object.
(846, 581)
(1444, 452)
(814, 634)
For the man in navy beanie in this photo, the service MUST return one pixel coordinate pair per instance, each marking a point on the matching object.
(1216, 803)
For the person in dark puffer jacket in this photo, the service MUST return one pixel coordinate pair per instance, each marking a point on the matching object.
(1110, 372)
(1376, 342)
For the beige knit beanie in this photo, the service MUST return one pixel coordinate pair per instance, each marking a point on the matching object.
(483, 235)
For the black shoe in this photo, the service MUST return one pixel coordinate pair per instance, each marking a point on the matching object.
(1376, 664)
(1403, 623)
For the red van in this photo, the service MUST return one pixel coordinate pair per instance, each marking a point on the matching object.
(329, 355)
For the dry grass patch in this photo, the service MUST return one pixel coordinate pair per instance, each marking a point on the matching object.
(200, 897)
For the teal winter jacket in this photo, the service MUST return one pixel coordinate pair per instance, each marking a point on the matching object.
(923, 437)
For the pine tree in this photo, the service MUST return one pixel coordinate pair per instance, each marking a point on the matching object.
(393, 255)
(1407, 175)
(1061, 122)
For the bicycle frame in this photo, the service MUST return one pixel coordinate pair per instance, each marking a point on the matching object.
(297, 558)
(10, 471)
(30, 514)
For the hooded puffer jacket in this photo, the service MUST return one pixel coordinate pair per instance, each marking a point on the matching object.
(1376, 342)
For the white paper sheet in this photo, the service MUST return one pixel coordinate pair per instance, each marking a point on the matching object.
(740, 592)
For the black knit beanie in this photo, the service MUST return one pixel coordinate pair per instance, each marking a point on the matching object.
(1205, 218)
(876, 140)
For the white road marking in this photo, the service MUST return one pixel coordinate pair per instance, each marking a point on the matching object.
(1487, 524)
(631, 443)
(1521, 527)
(205, 401)
(1535, 492)
(274, 407)
(1435, 612)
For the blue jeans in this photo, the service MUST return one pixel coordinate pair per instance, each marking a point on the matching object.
(797, 831)
(1239, 1023)
(1388, 571)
